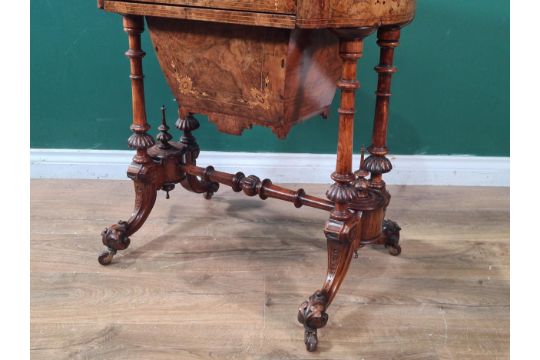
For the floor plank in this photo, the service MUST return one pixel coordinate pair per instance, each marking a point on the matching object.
(222, 279)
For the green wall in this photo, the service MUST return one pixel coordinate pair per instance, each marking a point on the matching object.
(451, 93)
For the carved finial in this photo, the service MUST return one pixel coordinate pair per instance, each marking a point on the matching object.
(163, 137)
(163, 114)
(361, 183)
(362, 151)
(167, 187)
(362, 172)
(187, 123)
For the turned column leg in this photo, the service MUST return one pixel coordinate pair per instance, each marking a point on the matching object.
(343, 228)
(377, 163)
(143, 171)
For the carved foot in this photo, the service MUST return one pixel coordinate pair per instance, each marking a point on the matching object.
(114, 238)
(391, 237)
(313, 316)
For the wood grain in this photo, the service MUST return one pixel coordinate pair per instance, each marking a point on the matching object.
(353, 13)
(312, 14)
(203, 14)
(274, 6)
(222, 279)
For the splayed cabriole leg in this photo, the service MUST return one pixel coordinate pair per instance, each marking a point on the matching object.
(344, 226)
(377, 230)
(116, 237)
(340, 238)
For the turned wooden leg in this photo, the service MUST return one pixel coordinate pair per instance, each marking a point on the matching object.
(343, 228)
(143, 170)
(377, 163)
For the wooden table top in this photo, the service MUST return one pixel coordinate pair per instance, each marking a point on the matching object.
(313, 14)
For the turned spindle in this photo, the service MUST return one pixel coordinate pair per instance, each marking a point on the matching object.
(377, 163)
(140, 140)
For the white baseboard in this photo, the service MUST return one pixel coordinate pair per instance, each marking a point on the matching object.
(280, 167)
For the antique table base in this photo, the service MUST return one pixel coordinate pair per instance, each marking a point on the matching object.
(356, 203)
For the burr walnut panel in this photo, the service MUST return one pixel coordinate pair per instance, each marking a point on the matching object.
(245, 75)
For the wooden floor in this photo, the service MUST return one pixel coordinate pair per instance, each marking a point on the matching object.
(222, 279)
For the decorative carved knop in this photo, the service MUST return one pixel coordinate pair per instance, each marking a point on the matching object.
(164, 137)
(212, 186)
(188, 123)
(313, 316)
(378, 164)
(140, 140)
(251, 185)
(341, 193)
(361, 182)
(237, 181)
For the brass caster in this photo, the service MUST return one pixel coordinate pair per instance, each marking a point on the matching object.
(394, 250)
(310, 339)
(208, 195)
(106, 256)
(391, 234)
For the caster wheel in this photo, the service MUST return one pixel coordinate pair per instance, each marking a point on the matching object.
(208, 195)
(106, 257)
(311, 341)
(391, 233)
(395, 250)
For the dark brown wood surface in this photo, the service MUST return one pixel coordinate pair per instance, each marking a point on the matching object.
(222, 279)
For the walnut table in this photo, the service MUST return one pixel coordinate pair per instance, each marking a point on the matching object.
(272, 63)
